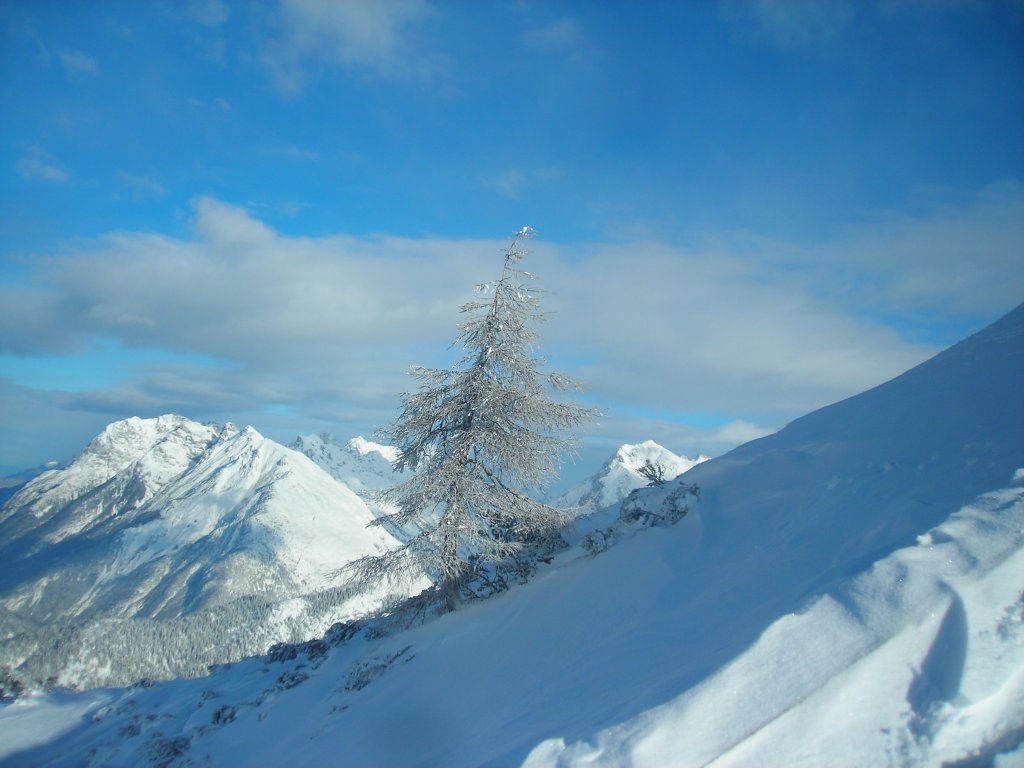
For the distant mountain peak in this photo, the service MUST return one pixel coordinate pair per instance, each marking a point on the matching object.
(143, 453)
(620, 475)
(363, 446)
(360, 464)
(635, 455)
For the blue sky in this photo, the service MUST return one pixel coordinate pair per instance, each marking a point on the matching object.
(266, 212)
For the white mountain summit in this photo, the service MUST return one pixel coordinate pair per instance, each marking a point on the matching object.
(118, 471)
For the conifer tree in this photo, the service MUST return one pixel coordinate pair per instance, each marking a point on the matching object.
(481, 437)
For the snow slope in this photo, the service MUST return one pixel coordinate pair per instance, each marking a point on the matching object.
(848, 591)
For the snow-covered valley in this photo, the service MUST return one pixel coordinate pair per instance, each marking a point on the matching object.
(847, 591)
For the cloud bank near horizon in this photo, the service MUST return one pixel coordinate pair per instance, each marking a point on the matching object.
(318, 331)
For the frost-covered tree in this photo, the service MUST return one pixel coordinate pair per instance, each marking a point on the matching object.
(482, 437)
(653, 473)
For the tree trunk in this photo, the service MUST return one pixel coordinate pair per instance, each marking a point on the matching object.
(451, 579)
(450, 588)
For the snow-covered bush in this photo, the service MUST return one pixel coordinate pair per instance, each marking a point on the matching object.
(662, 504)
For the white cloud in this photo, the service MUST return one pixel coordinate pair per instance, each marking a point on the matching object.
(209, 13)
(376, 37)
(679, 329)
(966, 255)
(328, 326)
(142, 186)
(738, 432)
(76, 62)
(222, 225)
(559, 34)
(790, 24)
(513, 182)
(39, 164)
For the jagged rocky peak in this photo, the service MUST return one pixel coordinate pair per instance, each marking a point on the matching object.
(123, 442)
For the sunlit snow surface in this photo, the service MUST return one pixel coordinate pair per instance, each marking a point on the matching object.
(847, 592)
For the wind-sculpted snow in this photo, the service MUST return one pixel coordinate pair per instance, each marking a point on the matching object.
(847, 591)
(901, 665)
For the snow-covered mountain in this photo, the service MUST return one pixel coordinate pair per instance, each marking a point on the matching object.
(360, 464)
(118, 471)
(11, 484)
(847, 591)
(620, 475)
(164, 518)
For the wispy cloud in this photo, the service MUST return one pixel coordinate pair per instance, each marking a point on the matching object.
(789, 24)
(294, 153)
(559, 34)
(38, 164)
(377, 38)
(217, 104)
(964, 256)
(513, 182)
(142, 186)
(510, 183)
(76, 62)
(209, 13)
(287, 208)
(960, 254)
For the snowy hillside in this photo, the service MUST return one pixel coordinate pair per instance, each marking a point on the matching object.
(847, 591)
(164, 518)
(620, 475)
(359, 464)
